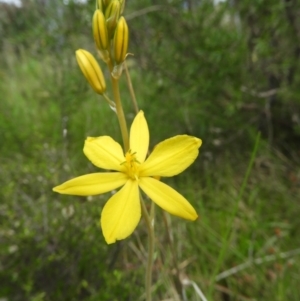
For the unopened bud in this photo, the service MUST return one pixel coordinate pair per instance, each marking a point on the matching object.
(91, 70)
(100, 30)
(121, 41)
(112, 14)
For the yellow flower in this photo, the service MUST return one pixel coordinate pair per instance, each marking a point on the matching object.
(121, 214)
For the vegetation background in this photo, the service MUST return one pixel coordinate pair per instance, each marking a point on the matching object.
(222, 72)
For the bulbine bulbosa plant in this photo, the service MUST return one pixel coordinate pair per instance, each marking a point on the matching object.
(132, 168)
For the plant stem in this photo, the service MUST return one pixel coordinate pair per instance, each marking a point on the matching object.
(177, 282)
(120, 113)
(235, 210)
(131, 90)
(119, 108)
(151, 238)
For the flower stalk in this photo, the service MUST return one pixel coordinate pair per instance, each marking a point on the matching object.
(150, 222)
(130, 87)
(120, 113)
(130, 168)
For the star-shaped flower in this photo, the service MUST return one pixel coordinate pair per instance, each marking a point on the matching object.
(121, 214)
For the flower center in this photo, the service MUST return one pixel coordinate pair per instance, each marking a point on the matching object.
(132, 165)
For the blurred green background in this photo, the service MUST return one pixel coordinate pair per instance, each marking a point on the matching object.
(219, 71)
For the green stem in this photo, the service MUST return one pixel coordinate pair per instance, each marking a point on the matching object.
(120, 113)
(151, 238)
(229, 230)
(130, 87)
(119, 109)
(177, 281)
(110, 102)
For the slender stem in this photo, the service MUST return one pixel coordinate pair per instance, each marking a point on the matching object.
(256, 261)
(110, 102)
(235, 210)
(120, 113)
(151, 238)
(119, 108)
(178, 284)
(130, 87)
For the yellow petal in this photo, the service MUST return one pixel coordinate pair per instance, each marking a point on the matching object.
(139, 137)
(171, 156)
(104, 152)
(167, 198)
(121, 214)
(92, 184)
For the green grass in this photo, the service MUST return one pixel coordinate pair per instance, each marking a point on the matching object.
(51, 246)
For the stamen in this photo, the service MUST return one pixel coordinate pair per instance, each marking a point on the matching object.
(131, 164)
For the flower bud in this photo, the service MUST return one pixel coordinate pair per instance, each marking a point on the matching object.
(112, 14)
(100, 30)
(121, 41)
(91, 70)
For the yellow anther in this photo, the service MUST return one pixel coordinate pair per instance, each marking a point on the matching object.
(131, 164)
